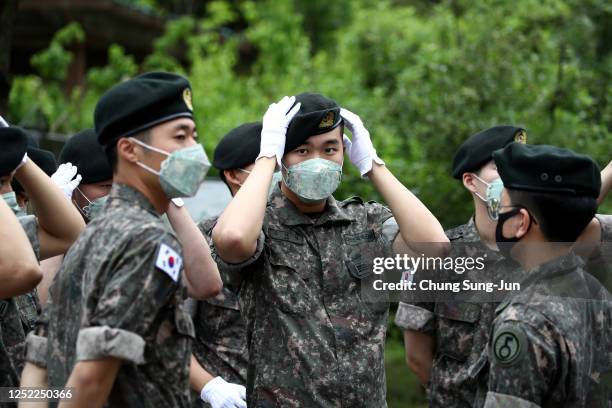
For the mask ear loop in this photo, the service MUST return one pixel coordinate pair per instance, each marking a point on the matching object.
(86, 209)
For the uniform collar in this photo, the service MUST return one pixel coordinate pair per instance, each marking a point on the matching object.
(556, 267)
(471, 231)
(124, 195)
(289, 214)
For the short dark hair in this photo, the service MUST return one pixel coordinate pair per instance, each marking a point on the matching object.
(561, 217)
(111, 150)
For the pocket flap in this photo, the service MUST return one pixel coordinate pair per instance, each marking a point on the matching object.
(463, 312)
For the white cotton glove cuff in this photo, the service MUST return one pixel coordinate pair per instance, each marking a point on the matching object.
(24, 160)
(221, 394)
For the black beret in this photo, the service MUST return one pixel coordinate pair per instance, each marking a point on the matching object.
(547, 169)
(84, 151)
(477, 149)
(13, 145)
(239, 147)
(317, 115)
(141, 103)
(43, 159)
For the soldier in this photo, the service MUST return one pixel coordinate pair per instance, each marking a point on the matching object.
(47, 236)
(83, 152)
(128, 338)
(220, 342)
(312, 339)
(444, 340)
(550, 343)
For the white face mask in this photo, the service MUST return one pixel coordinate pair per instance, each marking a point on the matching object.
(493, 196)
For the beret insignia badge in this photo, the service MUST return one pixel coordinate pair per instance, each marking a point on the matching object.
(327, 121)
(521, 137)
(187, 98)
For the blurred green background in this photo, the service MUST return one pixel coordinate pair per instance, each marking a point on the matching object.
(423, 75)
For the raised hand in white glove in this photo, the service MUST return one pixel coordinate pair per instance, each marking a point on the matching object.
(360, 150)
(221, 394)
(274, 128)
(67, 179)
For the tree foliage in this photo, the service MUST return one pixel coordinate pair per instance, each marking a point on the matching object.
(422, 75)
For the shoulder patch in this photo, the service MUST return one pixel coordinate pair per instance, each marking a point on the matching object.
(509, 344)
(169, 261)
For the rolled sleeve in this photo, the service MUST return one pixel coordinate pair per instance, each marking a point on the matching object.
(413, 317)
(94, 343)
(390, 229)
(232, 272)
(36, 350)
(496, 400)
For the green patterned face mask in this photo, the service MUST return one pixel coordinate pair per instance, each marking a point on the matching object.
(11, 200)
(94, 208)
(313, 180)
(182, 172)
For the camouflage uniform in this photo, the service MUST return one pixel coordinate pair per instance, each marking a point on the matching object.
(220, 341)
(13, 328)
(112, 299)
(551, 344)
(312, 340)
(460, 329)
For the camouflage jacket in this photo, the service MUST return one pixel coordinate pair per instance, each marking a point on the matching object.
(220, 332)
(460, 329)
(313, 341)
(13, 327)
(551, 344)
(120, 293)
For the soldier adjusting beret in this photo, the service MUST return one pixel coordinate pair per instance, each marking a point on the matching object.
(239, 147)
(141, 103)
(13, 146)
(477, 149)
(547, 169)
(318, 114)
(84, 151)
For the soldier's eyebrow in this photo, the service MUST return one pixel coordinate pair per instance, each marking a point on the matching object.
(186, 127)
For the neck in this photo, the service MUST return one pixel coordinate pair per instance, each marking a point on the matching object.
(156, 196)
(531, 253)
(305, 208)
(484, 225)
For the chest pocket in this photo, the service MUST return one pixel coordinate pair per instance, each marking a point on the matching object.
(360, 249)
(292, 266)
(457, 327)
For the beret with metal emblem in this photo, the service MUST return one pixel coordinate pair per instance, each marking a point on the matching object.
(84, 151)
(476, 151)
(13, 146)
(317, 115)
(239, 147)
(547, 169)
(140, 103)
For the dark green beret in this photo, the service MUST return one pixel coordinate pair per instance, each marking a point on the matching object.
(317, 115)
(43, 159)
(141, 103)
(84, 151)
(239, 147)
(13, 145)
(477, 150)
(547, 169)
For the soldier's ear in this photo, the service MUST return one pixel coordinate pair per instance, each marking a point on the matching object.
(231, 176)
(469, 182)
(126, 149)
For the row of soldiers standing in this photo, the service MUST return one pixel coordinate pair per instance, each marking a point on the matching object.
(268, 295)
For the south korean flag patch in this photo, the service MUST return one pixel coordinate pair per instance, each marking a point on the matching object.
(169, 261)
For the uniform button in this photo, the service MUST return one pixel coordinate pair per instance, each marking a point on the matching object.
(544, 176)
(558, 178)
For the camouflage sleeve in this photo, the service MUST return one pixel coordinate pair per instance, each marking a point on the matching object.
(606, 227)
(143, 281)
(36, 346)
(232, 273)
(417, 317)
(524, 361)
(380, 215)
(30, 226)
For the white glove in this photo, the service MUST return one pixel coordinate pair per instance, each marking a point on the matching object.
(24, 160)
(221, 394)
(67, 179)
(360, 150)
(274, 130)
